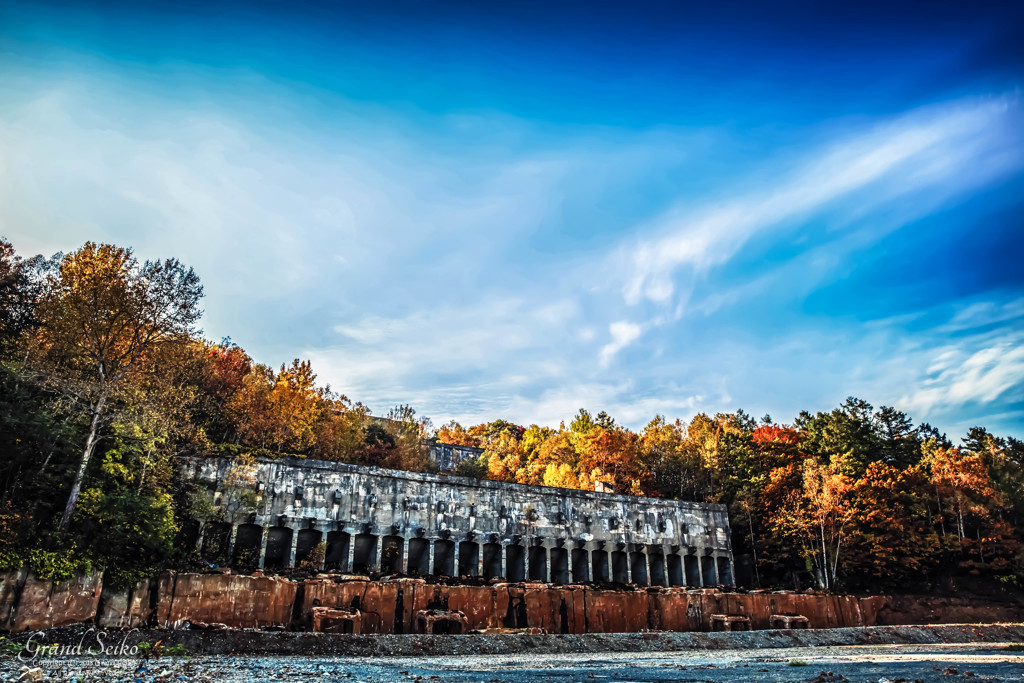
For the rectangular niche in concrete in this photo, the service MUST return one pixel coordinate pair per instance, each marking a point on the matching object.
(365, 558)
(469, 558)
(620, 567)
(337, 551)
(538, 563)
(492, 560)
(580, 566)
(602, 572)
(246, 552)
(638, 566)
(657, 563)
(419, 557)
(215, 542)
(444, 558)
(514, 565)
(559, 565)
(675, 570)
(391, 555)
(279, 547)
(692, 571)
(707, 565)
(724, 571)
(307, 540)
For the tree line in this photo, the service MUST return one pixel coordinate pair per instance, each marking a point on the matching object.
(105, 380)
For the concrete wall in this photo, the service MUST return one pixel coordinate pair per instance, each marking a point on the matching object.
(448, 457)
(395, 522)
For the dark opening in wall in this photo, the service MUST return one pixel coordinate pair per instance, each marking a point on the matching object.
(492, 560)
(620, 567)
(657, 563)
(469, 558)
(580, 566)
(602, 572)
(444, 558)
(187, 538)
(365, 557)
(692, 572)
(675, 570)
(279, 547)
(707, 565)
(538, 563)
(391, 555)
(446, 626)
(215, 542)
(515, 568)
(559, 565)
(308, 539)
(419, 557)
(724, 571)
(638, 566)
(246, 552)
(337, 551)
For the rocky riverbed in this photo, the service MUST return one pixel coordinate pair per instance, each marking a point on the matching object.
(970, 653)
(893, 663)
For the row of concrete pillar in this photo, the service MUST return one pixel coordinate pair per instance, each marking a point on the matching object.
(269, 547)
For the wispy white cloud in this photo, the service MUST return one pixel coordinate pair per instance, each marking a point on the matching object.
(957, 376)
(623, 334)
(917, 151)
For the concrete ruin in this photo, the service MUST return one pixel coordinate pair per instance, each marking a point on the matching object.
(387, 522)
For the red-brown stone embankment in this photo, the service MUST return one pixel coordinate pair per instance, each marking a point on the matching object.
(174, 601)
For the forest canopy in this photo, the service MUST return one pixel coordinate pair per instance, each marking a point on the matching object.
(105, 380)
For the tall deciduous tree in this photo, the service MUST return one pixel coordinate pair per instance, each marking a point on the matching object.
(101, 317)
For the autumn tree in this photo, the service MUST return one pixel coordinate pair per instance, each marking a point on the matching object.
(20, 288)
(101, 316)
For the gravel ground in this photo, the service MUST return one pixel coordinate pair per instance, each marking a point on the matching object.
(893, 663)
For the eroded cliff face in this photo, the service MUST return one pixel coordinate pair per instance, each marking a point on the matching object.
(174, 601)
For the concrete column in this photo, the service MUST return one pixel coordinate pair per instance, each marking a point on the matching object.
(629, 564)
(430, 556)
(294, 545)
(665, 552)
(700, 571)
(504, 561)
(199, 537)
(263, 546)
(323, 539)
(351, 553)
(404, 563)
(480, 559)
(231, 543)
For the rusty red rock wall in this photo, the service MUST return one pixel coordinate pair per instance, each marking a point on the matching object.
(29, 604)
(237, 601)
(257, 601)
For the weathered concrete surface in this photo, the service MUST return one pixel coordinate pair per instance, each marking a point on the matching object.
(28, 603)
(397, 522)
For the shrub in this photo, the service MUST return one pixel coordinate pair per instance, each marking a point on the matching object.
(57, 565)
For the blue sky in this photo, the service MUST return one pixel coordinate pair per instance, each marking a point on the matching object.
(516, 211)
